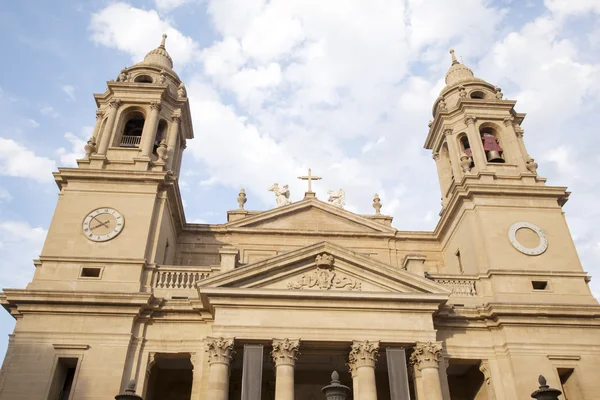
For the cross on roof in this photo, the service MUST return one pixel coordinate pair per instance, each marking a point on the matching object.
(309, 178)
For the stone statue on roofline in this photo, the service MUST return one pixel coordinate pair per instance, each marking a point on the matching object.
(282, 194)
(337, 198)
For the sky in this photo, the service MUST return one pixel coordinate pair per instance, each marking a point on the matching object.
(344, 87)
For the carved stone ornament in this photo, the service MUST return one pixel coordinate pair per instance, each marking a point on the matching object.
(282, 194)
(470, 119)
(442, 105)
(176, 118)
(242, 199)
(465, 163)
(532, 166)
(508, 121)
(447, 130)
(181, 91)
(530, 251)
(363, 354)
(337, 198)
(99, 114)
(162, 78)
(90, 147)
(285, 351)
(426, 355)
(435, 155)
(123, 77)
(462, 92)
(324, 277)
(156, 105)
(377, 204)
(162, 151)
(220, 350)
(115, 103)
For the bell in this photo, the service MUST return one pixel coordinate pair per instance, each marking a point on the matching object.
(494, 156)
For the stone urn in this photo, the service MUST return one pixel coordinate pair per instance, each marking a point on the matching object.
(129, 393)
(545, 392)
(335, 390)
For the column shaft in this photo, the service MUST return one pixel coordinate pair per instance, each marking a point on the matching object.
(172, 140)
(454, 157)
(149, 131)
(218, 381)
(513, 153)
(108, 127)
(426, 358)
(99, 118)
(367, 390)
(284, 384)
(475, 143)
(355, 391)
(432, 387)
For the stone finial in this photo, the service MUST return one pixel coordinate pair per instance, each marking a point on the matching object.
(181, 91)
(129, 393)
(377, 204)
(532, 165)
(430, 124)
(454, 60)
(545, 392)
(285, 351)
(90, 147)
(335, 390)
(163, 41)
(242, 199)
(220, 350)
(426, 355)
(363, 353)
(499, 94)
(162, 151)
(123, 76)
(465, 163)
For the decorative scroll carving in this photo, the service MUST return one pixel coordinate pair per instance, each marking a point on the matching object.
(363, 354)
(220, 350)
(114, 103)
(99, 114)
(447, 130)
(484, 367)
(508, 121)
(459, 287)
(470, 119)
(285, 351)
(324, 277)
(156, 105)
(426, 355)
(176, 118)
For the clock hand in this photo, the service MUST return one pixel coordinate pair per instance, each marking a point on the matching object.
(99, 225)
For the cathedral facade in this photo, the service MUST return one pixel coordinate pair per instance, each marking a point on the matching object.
(129, 297)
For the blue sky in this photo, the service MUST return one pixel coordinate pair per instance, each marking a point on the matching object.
(344, 87)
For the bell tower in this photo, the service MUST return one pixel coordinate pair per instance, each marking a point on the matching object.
(499, 219)
(143, 119)
(120, 211)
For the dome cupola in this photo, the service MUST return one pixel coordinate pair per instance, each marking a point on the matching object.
(458, 72)
(159, 57)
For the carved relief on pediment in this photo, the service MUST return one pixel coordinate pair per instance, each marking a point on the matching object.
(324, 277)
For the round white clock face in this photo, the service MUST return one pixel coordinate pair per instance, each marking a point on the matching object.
(103, 224)
(530, 251)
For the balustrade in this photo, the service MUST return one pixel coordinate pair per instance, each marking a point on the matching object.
(180, 278)
(130, 141)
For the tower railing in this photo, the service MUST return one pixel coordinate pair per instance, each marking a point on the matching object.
(130, 141)
(178, 277)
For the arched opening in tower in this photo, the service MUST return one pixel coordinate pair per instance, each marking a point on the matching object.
(132, 131)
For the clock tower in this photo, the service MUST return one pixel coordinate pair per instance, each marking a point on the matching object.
(118, 211)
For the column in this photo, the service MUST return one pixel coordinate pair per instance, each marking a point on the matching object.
(220, 352)
(444, 175)
(454, 154)
(475, 143)
(363, 356)
(197, 361)
(99, 117)
(149, 131)
(172, 139)
(113, 106)
(417, 381)
(513, 152)
(354, 374)
(426, 358)
(284, 356)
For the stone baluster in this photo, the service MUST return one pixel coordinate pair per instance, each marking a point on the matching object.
(220, 353)
(149, 131)
(284, 356)
(363, 356)
(172, 139)
(426, 358)
(113, 107)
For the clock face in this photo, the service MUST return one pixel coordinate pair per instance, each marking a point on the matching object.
(103, 224)
(530, 251)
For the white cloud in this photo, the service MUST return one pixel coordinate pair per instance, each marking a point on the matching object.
(5, 196)
(16, 160)
(136, 32)
(572, 7)
(49, 111)
(33, 123)
(68, 158)
(69, 91)
(20, 243)
(169, 5)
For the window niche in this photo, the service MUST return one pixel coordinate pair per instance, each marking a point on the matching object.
(143, 79)
(491, 145)
(161, 133)
(466, 155)
(477, 94)
(132, 130)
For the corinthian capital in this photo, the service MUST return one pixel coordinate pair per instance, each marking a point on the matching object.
(426, 355)
(447, 129)
(114, 103)
(363, 354)
(285, 351)
(220, 350)
(99, 114)
(470, 119)
(155, 105)
(508, 121)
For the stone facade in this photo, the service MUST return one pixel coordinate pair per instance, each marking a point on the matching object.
(489, 300)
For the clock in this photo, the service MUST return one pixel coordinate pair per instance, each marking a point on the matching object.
(530, 251)
(103, 224)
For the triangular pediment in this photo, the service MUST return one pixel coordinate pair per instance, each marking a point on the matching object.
(311, 215)
(324, 267)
